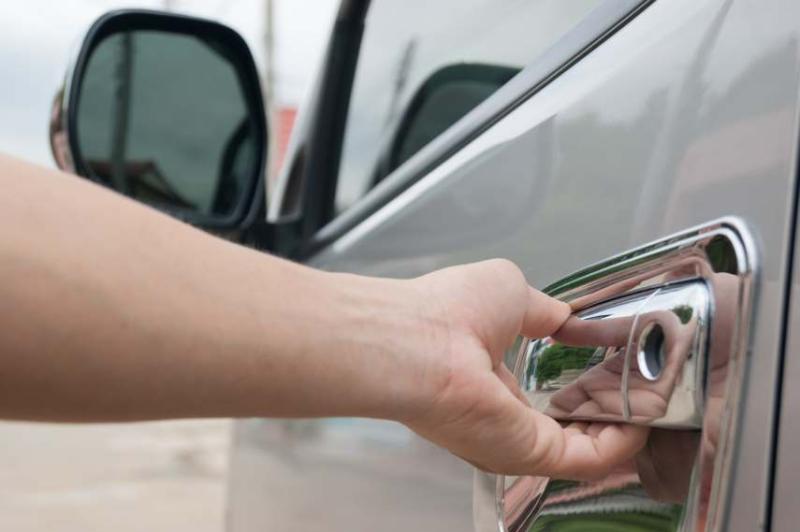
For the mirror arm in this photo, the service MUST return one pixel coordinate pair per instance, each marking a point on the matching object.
(261, 235)
(281, 239)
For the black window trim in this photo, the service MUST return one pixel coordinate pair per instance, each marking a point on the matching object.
(593, 30)
(323, 139)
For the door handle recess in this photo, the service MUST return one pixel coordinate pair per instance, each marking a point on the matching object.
(659, 337)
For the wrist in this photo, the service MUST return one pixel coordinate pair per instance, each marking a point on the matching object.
(386, 331)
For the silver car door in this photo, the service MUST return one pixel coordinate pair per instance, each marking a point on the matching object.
(686, 114)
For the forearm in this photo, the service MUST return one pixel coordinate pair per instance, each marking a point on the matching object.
(111, 311)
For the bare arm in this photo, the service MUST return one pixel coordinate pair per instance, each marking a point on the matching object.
(112, 311)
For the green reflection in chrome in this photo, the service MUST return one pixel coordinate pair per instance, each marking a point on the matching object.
(605, 522)
(684, 313)
(722, 255)
(578, 512)
(559, 357)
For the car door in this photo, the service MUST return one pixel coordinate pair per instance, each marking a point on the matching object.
(632, 122)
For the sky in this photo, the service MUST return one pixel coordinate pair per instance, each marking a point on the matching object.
(38, 38)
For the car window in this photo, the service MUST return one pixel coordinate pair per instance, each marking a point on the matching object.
(424, 65)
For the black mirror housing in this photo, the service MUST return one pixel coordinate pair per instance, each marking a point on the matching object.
(167, 109)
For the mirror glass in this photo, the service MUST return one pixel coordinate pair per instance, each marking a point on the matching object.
(163, 118)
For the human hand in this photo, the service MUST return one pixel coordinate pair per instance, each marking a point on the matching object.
(468, 401)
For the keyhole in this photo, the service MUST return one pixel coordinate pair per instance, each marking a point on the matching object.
(651, 352)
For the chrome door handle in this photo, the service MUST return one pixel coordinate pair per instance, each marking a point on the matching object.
(659, 338)
(639, 358)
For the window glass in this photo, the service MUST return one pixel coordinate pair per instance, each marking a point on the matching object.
(423, 65)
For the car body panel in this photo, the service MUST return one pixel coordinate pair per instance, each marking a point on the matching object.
(687, 114)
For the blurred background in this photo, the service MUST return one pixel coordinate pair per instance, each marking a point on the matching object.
(144, 476)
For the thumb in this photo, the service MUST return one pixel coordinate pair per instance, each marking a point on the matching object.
(544, 314)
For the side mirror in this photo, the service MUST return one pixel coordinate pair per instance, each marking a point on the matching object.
(167, 110)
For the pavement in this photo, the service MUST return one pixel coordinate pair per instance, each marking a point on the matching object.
(121, 477)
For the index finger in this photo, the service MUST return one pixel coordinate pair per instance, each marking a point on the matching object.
(544, 315)
(598, 332)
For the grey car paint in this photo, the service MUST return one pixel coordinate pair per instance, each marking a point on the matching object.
(688, 113)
